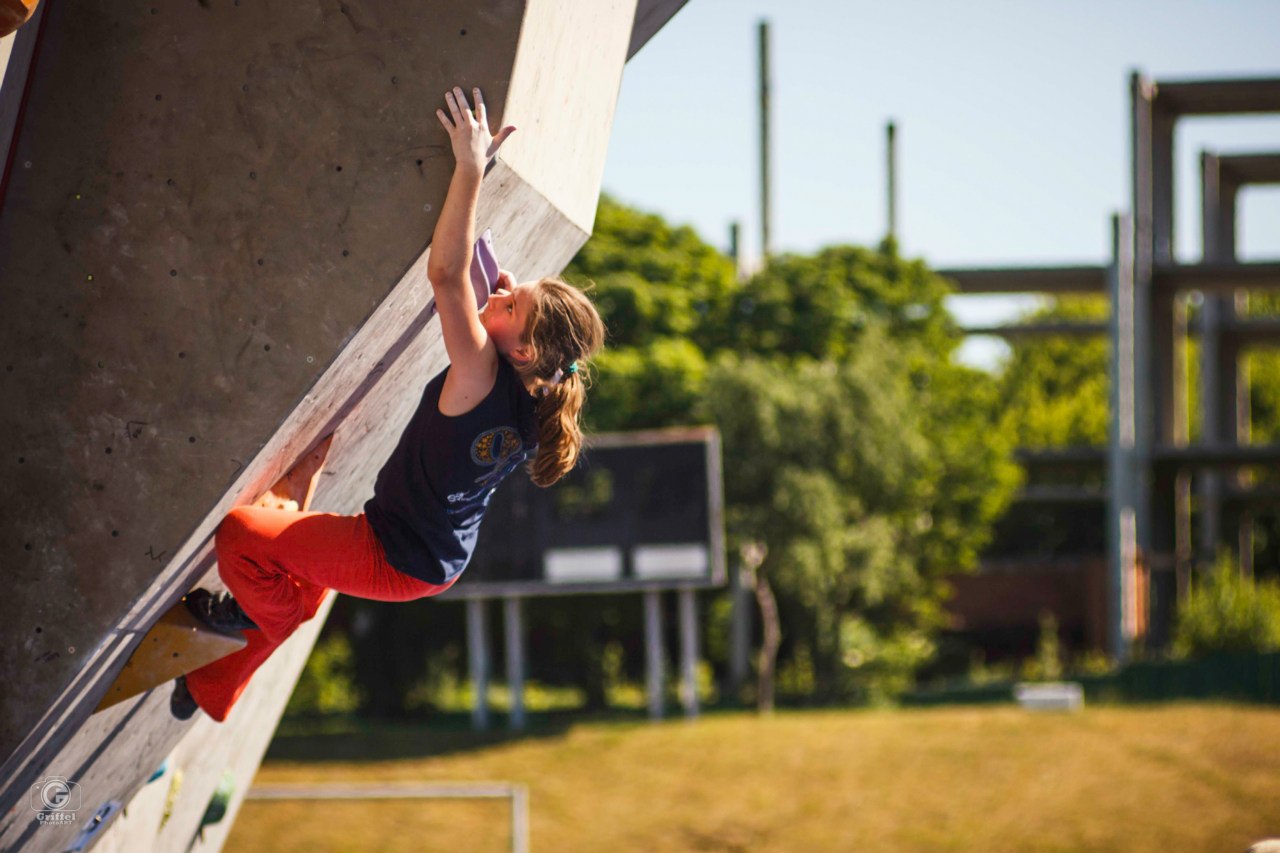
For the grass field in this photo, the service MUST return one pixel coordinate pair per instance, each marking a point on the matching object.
(1161, 778)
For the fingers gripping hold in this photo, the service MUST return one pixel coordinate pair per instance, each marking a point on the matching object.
(468, 127)
(456, 109)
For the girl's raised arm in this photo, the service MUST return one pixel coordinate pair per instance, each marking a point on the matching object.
(472, 355)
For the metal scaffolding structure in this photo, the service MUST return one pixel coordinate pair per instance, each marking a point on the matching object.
(1149, 459)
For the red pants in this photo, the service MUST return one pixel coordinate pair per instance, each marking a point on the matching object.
(279, 565)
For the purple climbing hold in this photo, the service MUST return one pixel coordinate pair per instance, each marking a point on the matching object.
(484, 271)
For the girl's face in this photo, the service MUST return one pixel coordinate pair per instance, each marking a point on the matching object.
(505, 317)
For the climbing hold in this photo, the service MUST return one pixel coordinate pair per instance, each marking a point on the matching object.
(175, 785)
(93, 826)
(152, 663)
(218, 803)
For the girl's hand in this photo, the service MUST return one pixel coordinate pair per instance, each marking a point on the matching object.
(473, 145)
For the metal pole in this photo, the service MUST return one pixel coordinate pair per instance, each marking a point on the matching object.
(1142, 93)
(1243, 423)
(478, 661)
(654, 652)
(1233, 382)
(517, 794)
(1122, 470)
(1171, 335)
(735, 247)
(689, 651)
(1168, 393)
(892, 172)
(766, 210)
(514, 625)
(1217, 358)
(519, 819)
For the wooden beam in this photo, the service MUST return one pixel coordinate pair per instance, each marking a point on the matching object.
(1219, 97)
(1218, 277)
(1076, 279)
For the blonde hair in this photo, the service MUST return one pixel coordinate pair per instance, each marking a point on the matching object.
(564, 329)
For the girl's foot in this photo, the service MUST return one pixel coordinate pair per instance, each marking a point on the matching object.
(181, 705)
(220, 612)
(293, 491)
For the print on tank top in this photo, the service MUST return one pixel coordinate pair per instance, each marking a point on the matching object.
(500, 450)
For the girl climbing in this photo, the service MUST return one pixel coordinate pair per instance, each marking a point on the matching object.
(513, 391)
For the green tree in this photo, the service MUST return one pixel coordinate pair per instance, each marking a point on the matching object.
(327, 684)
(1053, 389)
(818, 305)
(1227, 612)
(1264, 374)
(831, 467)
(1264, 395)
(652, 280)
(652, 385)
(665, 296)
(891, 480)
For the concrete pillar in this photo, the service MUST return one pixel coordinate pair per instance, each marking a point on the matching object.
(1141, 259)
(1219, 354)
(1160, 346)
(1122, 461)
(1226, 391)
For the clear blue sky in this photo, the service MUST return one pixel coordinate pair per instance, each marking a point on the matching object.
(1013, 124)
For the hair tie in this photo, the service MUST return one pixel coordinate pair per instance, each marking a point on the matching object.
(560, 375)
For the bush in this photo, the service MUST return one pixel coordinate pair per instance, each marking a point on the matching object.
(1047, 664)
(327, 685)
(1228, 613)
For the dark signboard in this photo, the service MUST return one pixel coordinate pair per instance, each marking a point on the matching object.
(640, 511)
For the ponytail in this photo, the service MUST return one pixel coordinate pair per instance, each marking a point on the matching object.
(564, 331)
(559, 435)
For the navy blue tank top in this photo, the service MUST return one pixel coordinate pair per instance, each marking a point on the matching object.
(433, 490)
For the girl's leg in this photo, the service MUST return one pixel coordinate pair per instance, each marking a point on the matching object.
(279, 565)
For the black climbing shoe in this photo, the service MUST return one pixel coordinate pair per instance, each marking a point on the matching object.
(220, 612)
(181, 705)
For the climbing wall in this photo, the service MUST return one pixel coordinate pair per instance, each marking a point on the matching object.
(213, 228)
